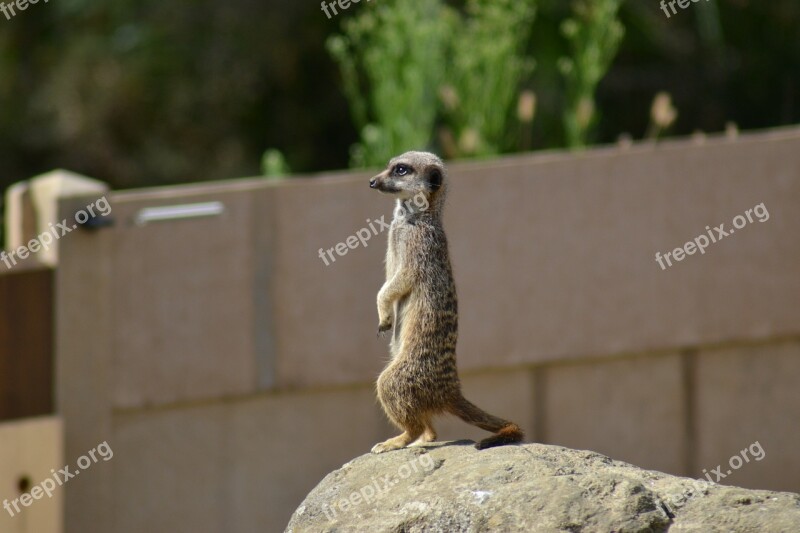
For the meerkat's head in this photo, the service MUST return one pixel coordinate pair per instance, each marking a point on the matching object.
(417, 176)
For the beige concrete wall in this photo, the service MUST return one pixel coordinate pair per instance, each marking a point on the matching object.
(30, 450)
(237, 466)
(231, 369)
(84, 362)
(746, 395)
(192, 303)
(631, 409)
(539, 243)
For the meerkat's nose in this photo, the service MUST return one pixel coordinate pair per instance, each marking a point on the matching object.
(373, 183)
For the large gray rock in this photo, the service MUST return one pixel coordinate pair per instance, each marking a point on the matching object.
(452, 487)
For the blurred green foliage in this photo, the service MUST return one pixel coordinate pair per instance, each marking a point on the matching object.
(594, 34)
(407, 65)
(392, 59)
(148, 92)
(274, 165)
(485, 71)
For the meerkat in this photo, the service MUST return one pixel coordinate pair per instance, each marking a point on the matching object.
(418, 303)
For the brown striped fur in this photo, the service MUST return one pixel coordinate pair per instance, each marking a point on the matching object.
(418, 303)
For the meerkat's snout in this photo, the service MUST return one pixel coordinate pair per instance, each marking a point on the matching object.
(377, 181)
(385, 182)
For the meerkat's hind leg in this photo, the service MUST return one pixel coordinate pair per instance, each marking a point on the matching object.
(395, 443)
(428, 435)
(398, 442)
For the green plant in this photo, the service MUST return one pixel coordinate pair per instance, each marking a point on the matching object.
(594, 34)
(391, 58)
(274, 165)
(487, 69)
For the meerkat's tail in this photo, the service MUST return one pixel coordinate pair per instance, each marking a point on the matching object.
(505, 432)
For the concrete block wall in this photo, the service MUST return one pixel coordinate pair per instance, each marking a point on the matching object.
(744, 394)
(231, 369)
(30, 449)
(630, 408)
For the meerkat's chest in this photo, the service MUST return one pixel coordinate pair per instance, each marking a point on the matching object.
(396, 249)
(399, 234)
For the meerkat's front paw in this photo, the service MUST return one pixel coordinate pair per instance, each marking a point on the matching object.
(385, 321)
(385, 326)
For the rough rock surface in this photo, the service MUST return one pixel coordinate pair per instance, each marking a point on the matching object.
(452, 487)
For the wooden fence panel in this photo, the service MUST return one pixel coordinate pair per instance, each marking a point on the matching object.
(26, 344)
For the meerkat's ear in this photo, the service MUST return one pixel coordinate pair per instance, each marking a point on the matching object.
(434, 178)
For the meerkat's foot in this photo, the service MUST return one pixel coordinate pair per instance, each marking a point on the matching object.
(429, 435)
(395, 443)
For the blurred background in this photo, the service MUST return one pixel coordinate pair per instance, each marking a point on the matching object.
(230, 369)
(152, 93)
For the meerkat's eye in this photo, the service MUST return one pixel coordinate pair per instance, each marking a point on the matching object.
(401, 170)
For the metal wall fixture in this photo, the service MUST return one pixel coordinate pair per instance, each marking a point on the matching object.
(149, 215)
